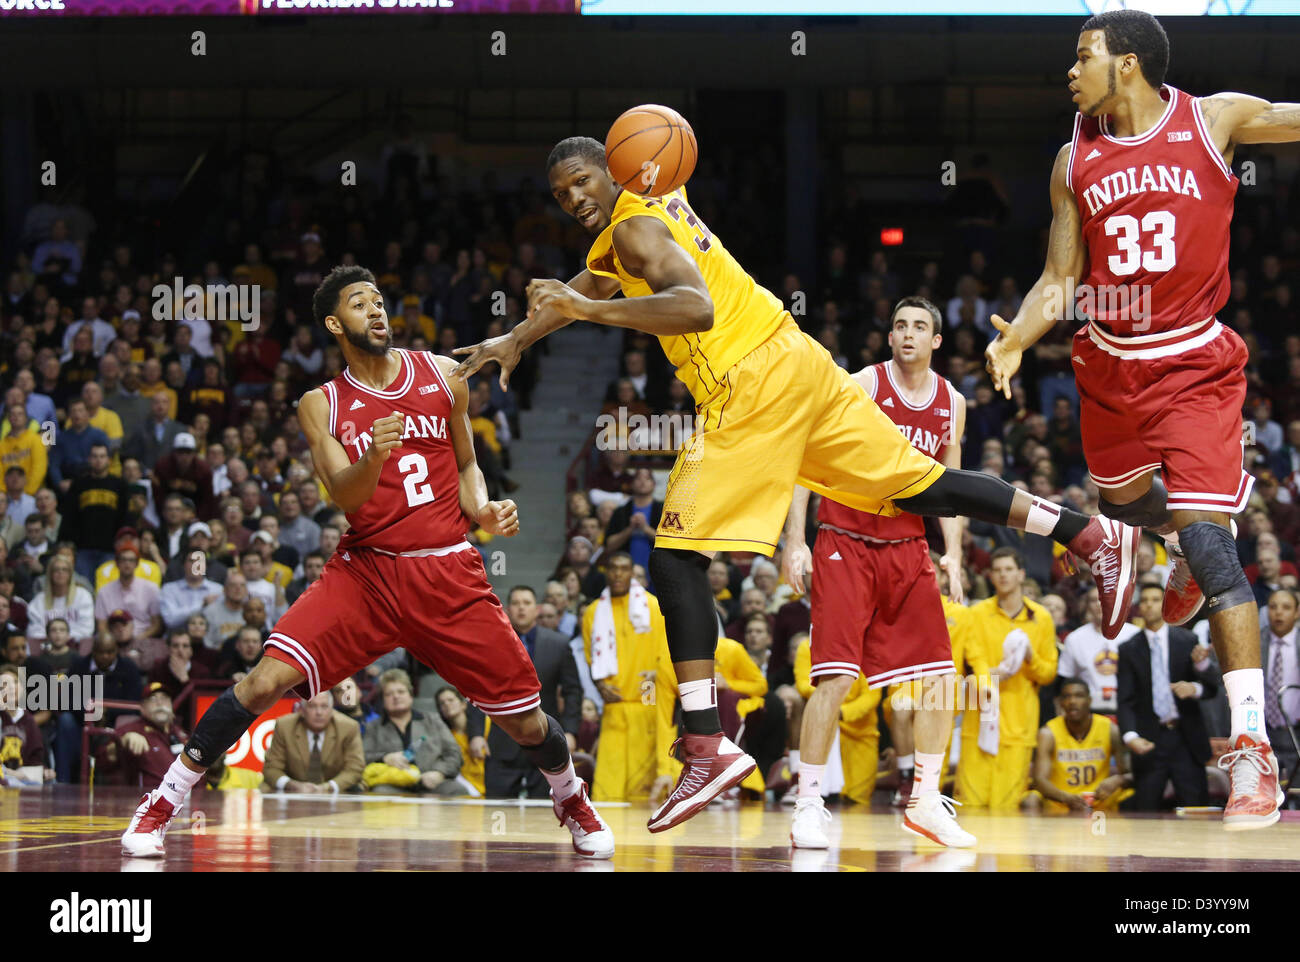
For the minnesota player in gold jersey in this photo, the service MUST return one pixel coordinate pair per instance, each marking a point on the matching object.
(772, 409)
(1072, 768)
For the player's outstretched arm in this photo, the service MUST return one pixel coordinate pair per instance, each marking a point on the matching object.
(508, 348)
(349, 484)
(494, 517)
(1234, 118)
(953, 528)
(1045, 302)
(680, 303)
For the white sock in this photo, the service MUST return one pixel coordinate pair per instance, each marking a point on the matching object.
(928, 769)
(178, 781)
(563, 783)
(1043, 516)
(698, 695)
(794, 761)
(1246, 700)
(810, 780)
(906, 761)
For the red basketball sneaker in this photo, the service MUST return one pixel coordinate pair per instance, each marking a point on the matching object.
(712, 765)
(1255, 798)
(144, 836)
(591, 836)
(1110, 548)
(1183, 597)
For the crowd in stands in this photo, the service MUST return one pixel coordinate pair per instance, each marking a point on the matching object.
(160, 510)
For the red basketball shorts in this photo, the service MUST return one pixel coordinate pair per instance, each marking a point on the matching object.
(1148, 404)
(439, 607)
(876, 609)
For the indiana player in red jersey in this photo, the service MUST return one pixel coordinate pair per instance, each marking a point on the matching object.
(1142, 199)
(391, 441)
(875, 600)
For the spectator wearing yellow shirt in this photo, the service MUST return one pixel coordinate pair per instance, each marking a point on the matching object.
(101, 417)
(625, 643)
(225, 778)
(453, 709)
(153, 383)
(414, 321)
(1075, 752)
(1014, 636)
(24, 446)
(736, 671)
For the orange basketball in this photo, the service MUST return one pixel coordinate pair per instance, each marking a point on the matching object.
(651, 150)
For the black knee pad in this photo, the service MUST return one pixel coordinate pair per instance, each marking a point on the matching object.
(1149, 511)
(1211, 553)
(682, 584)
(553, 753)
(220, 727)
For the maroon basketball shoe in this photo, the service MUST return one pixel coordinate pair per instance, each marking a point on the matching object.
(1183, 597)
(144, 837)
(1110, 549)
(713, 764)
(1255, 799)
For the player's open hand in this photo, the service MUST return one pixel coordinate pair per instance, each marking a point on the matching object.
(1003, 356)
(550, 294)
(386, 433)
(796, 565)
(951, 565)
(499, 517)
(504, 350)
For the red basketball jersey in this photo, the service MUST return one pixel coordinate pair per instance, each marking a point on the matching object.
(927, 426)
(1154, 212)
(416, 504)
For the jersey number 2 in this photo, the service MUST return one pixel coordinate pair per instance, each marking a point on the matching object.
(1159, 223)
(416, 469)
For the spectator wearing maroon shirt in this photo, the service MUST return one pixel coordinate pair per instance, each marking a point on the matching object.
(253, 363)
(146, 746)
(179, 668)
(183, 472)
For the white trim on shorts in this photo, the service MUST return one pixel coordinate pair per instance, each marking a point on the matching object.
(911, 673)
(425, 552)
(1208, 501)
(300, 655)
(1122, 479)
(835, 668)
(516, 707)
(1110, 343)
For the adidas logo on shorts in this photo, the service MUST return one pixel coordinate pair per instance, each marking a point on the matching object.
(835, 557)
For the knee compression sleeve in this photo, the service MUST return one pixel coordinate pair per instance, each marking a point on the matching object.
(1212, 555)
(682, 583)
(969, 494)
(553, 753)
(1148, 511)
(219, 728)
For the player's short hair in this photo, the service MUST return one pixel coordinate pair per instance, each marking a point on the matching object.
(1135, 32)
(1007, 552)
(613, 556)
(588, 148)
(1294, 595)
(510, 596)
(1066, 682)
(326, 299)
(914, 300)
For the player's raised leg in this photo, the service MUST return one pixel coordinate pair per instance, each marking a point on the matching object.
(220, 727)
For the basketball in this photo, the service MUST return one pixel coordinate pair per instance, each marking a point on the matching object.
(651, 150)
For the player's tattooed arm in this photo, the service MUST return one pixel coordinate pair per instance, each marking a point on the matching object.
(494, 517)
(680, 304)
(1234, 118)
(1044, 305)
(349, 484)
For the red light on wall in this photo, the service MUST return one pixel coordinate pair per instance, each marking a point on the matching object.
(891, 236)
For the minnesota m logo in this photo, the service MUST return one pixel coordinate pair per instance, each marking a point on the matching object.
(672, 519)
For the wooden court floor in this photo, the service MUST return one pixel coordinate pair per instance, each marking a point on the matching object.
(66, 829)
